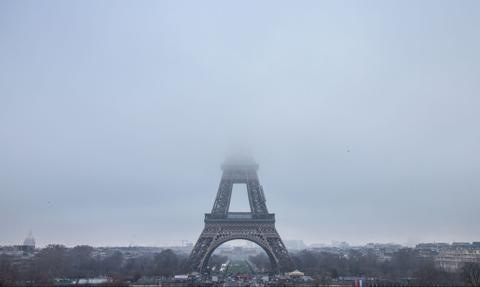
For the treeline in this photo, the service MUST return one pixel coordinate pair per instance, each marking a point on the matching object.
(405, 266)
(57, 261)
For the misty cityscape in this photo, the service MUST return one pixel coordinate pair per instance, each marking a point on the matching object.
(220, 143)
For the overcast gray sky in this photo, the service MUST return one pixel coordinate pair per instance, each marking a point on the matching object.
(363, 115)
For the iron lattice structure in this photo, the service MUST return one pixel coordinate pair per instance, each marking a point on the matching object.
(257, 225)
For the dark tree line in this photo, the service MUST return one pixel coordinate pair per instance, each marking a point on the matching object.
(57, 261)
(471, 274)
(405, 266)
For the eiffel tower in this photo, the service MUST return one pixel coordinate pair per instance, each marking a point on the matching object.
(257, 225)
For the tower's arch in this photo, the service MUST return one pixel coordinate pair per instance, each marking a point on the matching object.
(271, 256)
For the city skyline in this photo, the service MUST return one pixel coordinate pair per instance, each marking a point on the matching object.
(246, 243)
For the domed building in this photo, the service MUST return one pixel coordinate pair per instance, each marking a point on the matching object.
(29, 241)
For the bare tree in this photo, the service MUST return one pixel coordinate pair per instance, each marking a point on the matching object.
(51, 262)
(82, 262)
(166, 263)
(471, 274)
(8, 271)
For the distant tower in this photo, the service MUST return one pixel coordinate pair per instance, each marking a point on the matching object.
(257, 226)
(29, 240)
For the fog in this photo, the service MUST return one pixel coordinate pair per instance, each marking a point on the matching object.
(115, 117)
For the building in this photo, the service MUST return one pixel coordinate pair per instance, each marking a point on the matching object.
(431, 249)
(452, 259)
(29, 241)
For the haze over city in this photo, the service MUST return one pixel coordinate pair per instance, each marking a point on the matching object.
(116, 116)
